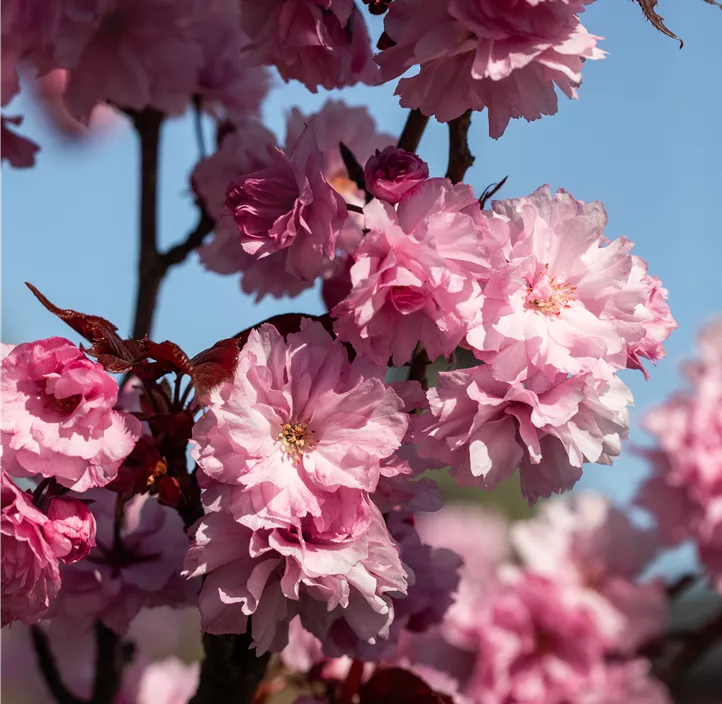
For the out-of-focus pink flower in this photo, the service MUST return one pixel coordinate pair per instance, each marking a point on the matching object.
(58, 418)
(230, 86)
(318, 42)
(133, 53)
(17, 150)
(537, 644)
(289, 208)
(657, 329)
(276, 574)
(298, 430)
(70, 528)
(414, 274)
(583, 540)
(121, 576)
(30, 573)
(627, 681)
(566, 300)
(484, 429)
(486, 54)
(392, 173)
(169, 681)
(684, 492)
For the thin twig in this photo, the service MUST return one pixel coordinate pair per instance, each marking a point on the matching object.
(198, 120)
(49, 668)
(460, 158)
(231, 672)
(697, 644)
(413, 130)
(418, 367)
(176, 255)
(147, 124)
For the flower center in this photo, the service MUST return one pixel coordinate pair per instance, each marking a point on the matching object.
(295, 438)
(548, 295)
(67, 405)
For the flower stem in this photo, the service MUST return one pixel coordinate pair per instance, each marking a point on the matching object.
(413, 130)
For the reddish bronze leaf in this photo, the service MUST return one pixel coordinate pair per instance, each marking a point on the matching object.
(397, 686)
(114, 353)
(214, 366)
(168, 355)
(648, 8)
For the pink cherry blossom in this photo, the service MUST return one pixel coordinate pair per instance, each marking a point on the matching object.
(476, 54)
(168, 681)
(17, 150)
(297, 430)
(657, 329)
(318, 42)
(289, 209)
(276, 574)
(536, 644)
(684, 492)
(566, 300)
(30, 573)
(484, 429)
(414, 276)
(58, 418)
(70, 528)
(433, 581)
(392, 173)
(134, 53)
(121, 575)
(231, 87)
(585, 541)
(241, 152)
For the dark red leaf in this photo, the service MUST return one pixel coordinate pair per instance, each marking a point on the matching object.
(169, 491)
(168, 355)
(214, 366)
(286, 323)
(114, 353)
(648, 8)
(397, 686)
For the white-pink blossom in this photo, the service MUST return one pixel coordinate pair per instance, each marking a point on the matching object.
(58, 418)
(476, 54)
(414, 274)
(484, 429)
(276, 574)
(298, 430)
(566, 300)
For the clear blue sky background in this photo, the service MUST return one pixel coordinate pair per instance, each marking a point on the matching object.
(644, 138)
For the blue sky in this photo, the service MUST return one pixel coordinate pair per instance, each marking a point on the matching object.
(644, 138)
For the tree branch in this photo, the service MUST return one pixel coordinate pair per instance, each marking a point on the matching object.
(147, 124)
(413, 130)
(111, 656)
(460, 158)
(697, 644)
(230, 673)
(176, 255)
(49, 668)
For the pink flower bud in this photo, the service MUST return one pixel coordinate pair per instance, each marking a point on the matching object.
(71, 528)
(392, 173)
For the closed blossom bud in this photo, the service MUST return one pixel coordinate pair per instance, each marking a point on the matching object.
(71, 529)
(392, 173)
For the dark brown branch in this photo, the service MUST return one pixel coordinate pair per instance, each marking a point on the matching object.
(460, 158)
(176, 255)
(111, 656)
(49, 668)
(413, 130)
(418, 367)
(695, 647)
(147, 124)
(230, 673)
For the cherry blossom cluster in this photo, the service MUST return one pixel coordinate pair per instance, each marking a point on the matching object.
(562, 623)
(684, 491)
